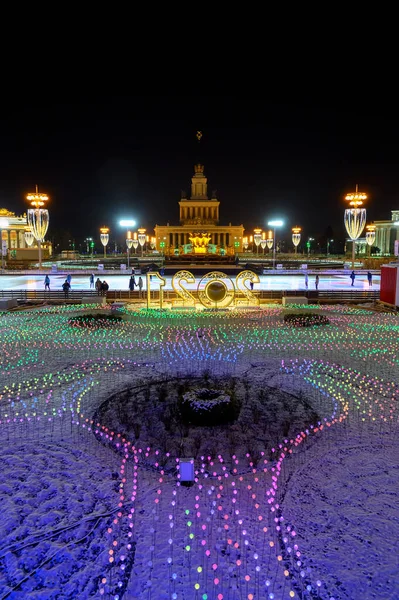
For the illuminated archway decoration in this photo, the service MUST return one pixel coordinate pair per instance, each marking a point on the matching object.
(216, 290)
(241, 279)
(200, 242)
(180, 290)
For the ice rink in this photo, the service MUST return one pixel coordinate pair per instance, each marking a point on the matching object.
(121, 282)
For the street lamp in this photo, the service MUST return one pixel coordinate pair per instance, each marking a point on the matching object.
(269, 241)
(141, 238)
(328, 246)
(88, 244)
(308, 244)
(275, 224)
(135, 242)
(29, 237)
(129, 244)
(38, 218)
(104, 237)
(370, 236)
(245, 243)
(296, 237)
(355, 218)
(257, 239)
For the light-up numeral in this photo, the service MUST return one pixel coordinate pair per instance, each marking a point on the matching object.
(216, 290)
(162, 283)
(178, 287)
(241, 279)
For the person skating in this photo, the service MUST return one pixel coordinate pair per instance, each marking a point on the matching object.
(66, 287)
(92, 280)
(132, 283)
(140, 284)
(317, 282)
(98, 286)
(104, 288)
(370, 279)
(47, 283)
(352, 276)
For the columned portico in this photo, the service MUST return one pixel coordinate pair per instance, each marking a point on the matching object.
(386, 232)
(199, 215)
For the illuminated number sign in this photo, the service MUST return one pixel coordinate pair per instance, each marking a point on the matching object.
(215, 289)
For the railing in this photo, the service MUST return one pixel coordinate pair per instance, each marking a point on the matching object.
(170, 295)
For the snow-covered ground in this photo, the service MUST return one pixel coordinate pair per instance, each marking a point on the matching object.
(121, 282)
(88, 512)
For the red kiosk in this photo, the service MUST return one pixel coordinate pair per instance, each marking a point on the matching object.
(389, 290)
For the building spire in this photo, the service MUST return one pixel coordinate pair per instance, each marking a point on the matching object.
(198, 135)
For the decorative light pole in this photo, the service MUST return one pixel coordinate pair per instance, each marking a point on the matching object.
(29, 237)
(257, 239)
(263, 245)
(296, 237)
(104, 237)
(328, 246)
(355, 218)
(141, 238)
(38, 218)
(370, 236)
(275, 224)
(135, 242)
(245, 243)
(129, 244)
(269, 241)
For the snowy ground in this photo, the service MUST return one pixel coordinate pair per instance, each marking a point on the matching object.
(121, 282)
(86, 512)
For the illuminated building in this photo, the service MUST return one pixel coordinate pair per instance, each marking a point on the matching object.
(199, 231)
(13, 230)
(386, 233)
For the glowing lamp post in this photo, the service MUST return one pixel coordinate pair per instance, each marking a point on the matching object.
(135, 242)
(29, 237)
(275, 224)
(141, 238)
(370, 236)
(269, 241)
(245, 243)
(38, 218)
(355, 218)
(296, 237)
(257, 238)
(129, 244)
(104, 237)
(263, 245)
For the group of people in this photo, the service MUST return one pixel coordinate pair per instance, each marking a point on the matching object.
(316, 281)
(133, 283)
(369, 278)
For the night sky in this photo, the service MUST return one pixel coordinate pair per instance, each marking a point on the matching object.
(102, 160)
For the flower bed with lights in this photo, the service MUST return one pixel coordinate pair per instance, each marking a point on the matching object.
(95, 320)
(204, 406)
(305, 476)
(305, 320)
(207, 414)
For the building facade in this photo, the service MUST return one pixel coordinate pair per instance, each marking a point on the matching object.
(13, 229)
(199, 231)
(12, 233)
(386, 233)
